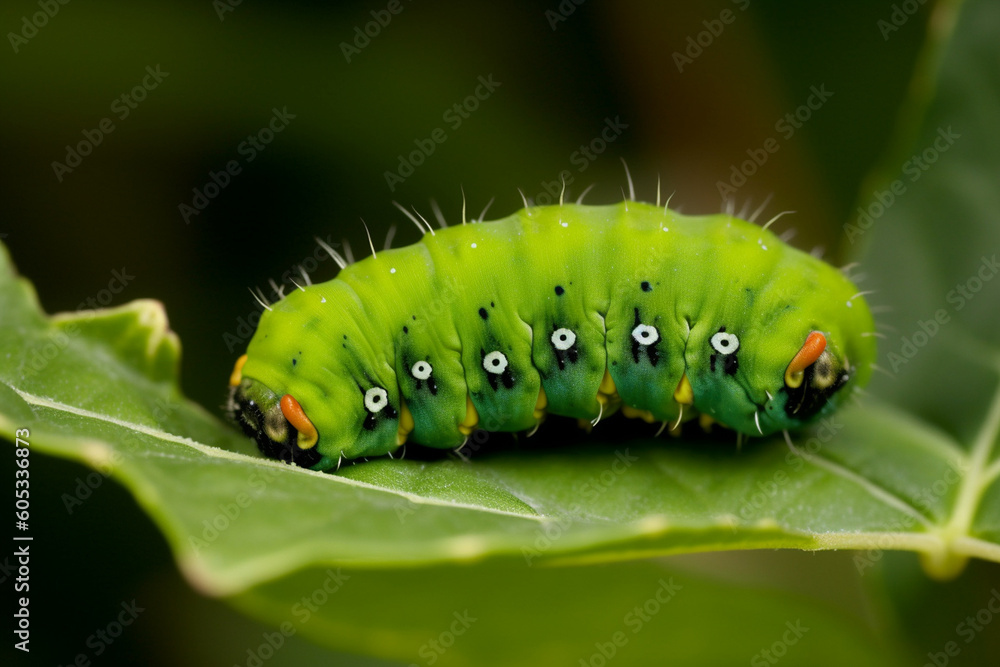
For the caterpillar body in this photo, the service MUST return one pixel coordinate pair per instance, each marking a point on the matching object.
(574, 310)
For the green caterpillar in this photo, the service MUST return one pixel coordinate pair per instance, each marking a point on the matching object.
(571, 309)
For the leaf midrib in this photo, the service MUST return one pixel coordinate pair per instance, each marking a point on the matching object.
(973, 484)
(216, 452)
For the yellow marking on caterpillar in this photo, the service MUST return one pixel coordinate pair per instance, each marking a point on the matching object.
(607, 387)
(706, 421)
(540, 404)
(607, 392)
(684, 394)
(405, 423)
(607, 396)
(471, 417)
(633, 413)
(237, 375)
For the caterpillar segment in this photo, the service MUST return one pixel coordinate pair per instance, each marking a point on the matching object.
(572, 310)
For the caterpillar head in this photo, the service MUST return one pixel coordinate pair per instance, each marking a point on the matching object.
(299, 427)
(761, 383)
(305, 407)
(261, 413)
(777, 348)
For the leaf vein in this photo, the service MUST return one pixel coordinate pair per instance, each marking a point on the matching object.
(874, 489)
(216, 452)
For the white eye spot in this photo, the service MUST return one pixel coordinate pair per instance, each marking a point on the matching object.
(392, 270)
(645, 334)
(376, 398)
(725, 343)
(473, 245)
(495, 362)
(563, 339)
(421, 370)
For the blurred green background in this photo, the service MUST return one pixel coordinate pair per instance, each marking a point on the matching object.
(563, 77)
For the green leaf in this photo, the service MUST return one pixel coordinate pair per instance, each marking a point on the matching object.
(268, 534)
(916, 469)
(108, 396)
(100, 388)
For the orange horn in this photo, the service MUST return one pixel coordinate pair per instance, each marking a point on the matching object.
(811, 350)
(296, 416)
